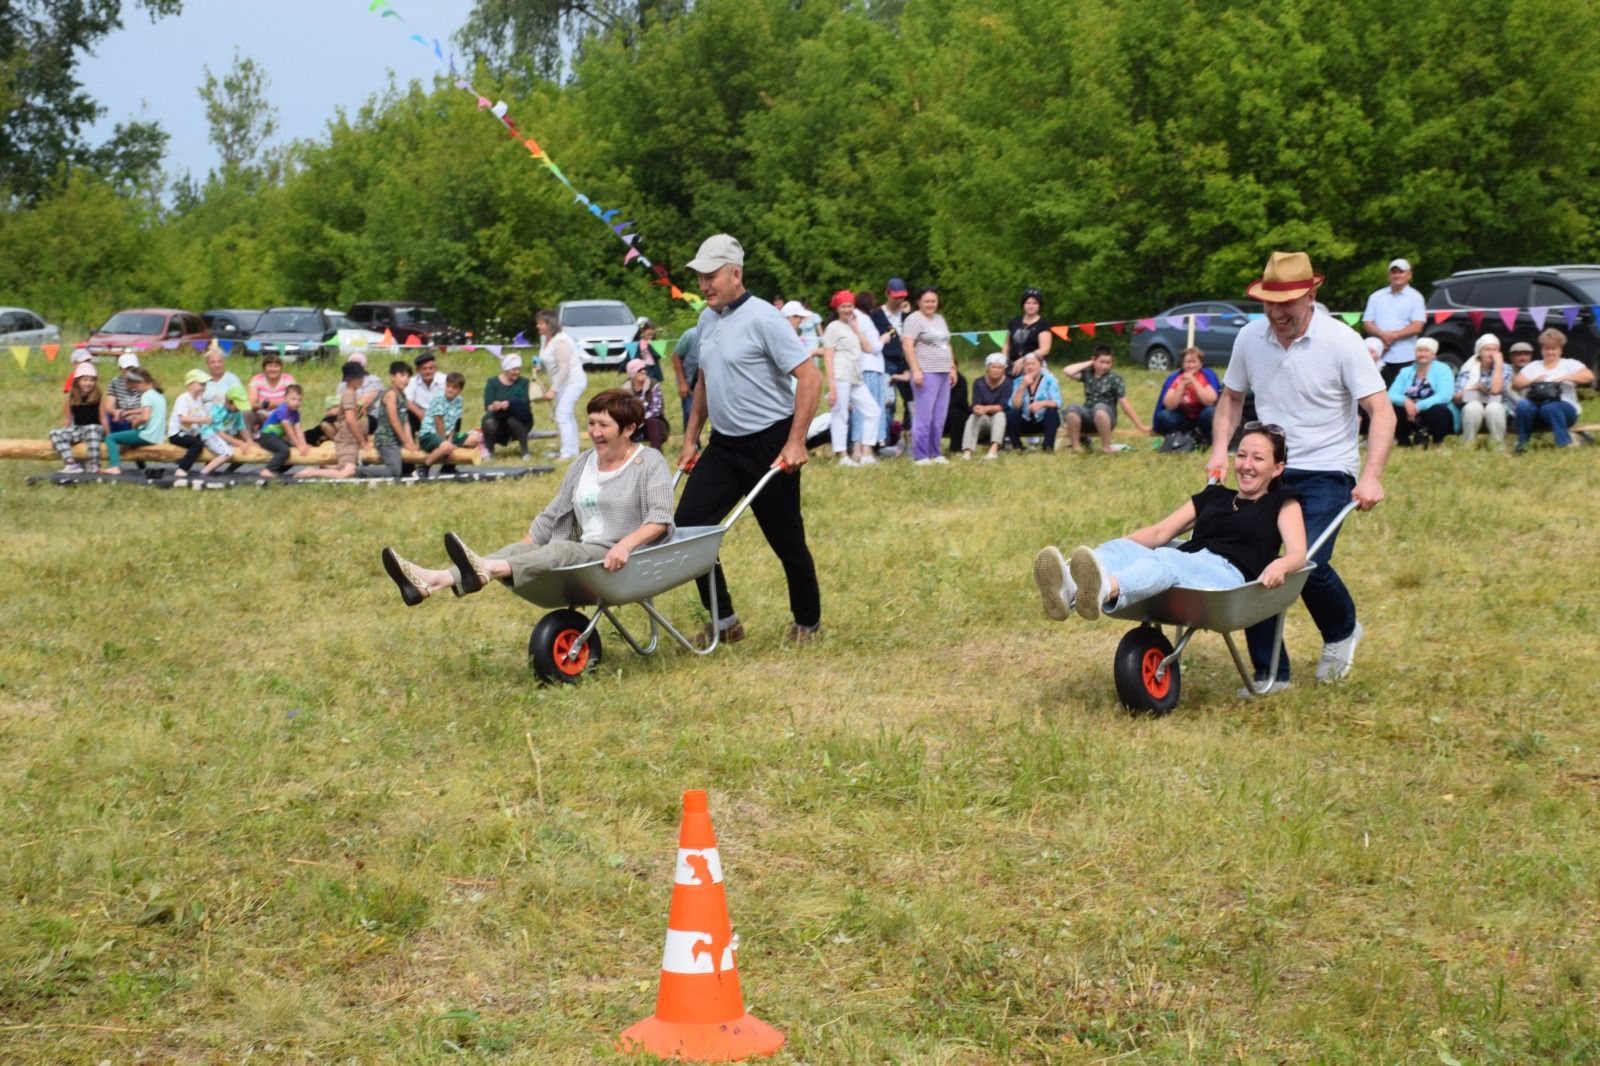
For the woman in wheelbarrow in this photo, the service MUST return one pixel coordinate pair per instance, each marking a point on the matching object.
(613, 499)
(1236, 539)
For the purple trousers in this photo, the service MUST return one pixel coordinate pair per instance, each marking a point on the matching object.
(932, 400)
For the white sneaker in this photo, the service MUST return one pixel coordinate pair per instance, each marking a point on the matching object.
(921, 462)
(1338, 656)
(1275, 687)
(991, 455)
(845, 460)
(1090, 581)
(966, 457)
(938, 459)
(1057, 590)
(867, 460)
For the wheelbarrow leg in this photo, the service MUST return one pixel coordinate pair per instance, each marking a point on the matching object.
(588, 631)
(1246, 673)
(1177, 650)
(622, 630)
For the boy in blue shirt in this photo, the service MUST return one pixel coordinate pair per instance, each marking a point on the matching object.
(439, 437)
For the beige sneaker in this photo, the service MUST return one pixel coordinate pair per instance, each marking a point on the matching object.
(1056, 587)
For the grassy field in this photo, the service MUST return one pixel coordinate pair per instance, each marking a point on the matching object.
(254, 808)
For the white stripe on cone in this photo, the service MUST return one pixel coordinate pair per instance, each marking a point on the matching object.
(679, 954)
(704, 861)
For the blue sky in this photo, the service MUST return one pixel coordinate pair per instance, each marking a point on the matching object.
(321, 55)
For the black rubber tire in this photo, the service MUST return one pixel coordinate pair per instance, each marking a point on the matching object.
(1138, 654)
(1157, 357)
(552, 638)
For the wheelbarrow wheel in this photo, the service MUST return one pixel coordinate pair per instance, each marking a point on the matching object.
(551, 647)
(1139, 656)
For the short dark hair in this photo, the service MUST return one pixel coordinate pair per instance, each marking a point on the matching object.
(400, 366)
(271, 357)
(294, 390)
(1104, 349)
(865, 301)
(925, 290)
(623, 407)
(352, 371)
(456, 378)
(425, 357)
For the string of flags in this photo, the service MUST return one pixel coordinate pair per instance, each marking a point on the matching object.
(501, 111)
(1539, 316)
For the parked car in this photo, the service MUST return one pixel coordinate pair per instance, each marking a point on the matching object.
(1158, 349)
(18, 325)
(600, 328)
(407, 318)
(348, 336)
(145, 327)
(231, 323)
(302, 332)
(1520, 287)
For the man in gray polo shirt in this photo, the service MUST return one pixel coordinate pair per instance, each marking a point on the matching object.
(1396, 316)
(1310, 372)
(748, 353)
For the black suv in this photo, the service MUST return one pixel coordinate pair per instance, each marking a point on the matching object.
(1554, 288)
(407, 318)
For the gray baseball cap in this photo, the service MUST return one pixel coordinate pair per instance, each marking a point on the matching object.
(717, 252)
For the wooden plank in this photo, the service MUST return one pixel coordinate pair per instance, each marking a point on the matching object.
(322, 453)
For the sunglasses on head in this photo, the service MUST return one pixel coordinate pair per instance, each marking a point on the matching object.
(1269, 428)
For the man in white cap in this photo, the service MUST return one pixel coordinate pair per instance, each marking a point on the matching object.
(748, 354)
(1310, 373)
(1396, 315)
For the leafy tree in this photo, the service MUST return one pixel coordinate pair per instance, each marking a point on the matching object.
(45, 108)
(537, 36)
(241, 118)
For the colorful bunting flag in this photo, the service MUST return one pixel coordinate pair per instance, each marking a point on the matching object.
(1538, 314)
(171, 346)
(520, 340)
(493, 349)
(50, 351)
(412, 340)
(997, 335)
(252, 345)
(1571, 316)
(970, 338)
(388, 338)
(1351, 318)
(1088, 327)
(1064, 332)
(1147, 324)
(1118, 327)
(1440, 316)
(1202, 322)
(660, 348)
(630, 349)
(1508, 315)
(602, 349)
(227, 346)
(1178, 321)
(19, 352)
(1477, 320)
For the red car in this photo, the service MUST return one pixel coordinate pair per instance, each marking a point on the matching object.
(145, 328)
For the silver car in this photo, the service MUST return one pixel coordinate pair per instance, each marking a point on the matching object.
(601, 328)
(18, 325)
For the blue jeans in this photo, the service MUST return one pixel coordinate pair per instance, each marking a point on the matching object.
(1172, 421)
(1557, 414)
(1143, 572)
(876, 382)
(1323, 494)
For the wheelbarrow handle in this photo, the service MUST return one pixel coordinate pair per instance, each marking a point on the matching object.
(779, 467)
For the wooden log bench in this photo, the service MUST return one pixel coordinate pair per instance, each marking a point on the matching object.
(171, 453)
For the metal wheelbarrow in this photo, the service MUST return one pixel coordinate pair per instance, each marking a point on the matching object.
(1147, 666)
(565, 642)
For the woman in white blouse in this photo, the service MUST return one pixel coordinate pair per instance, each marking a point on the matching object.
(559, 355)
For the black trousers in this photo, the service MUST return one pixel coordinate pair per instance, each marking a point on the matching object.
(1431, 422)
(730, 467)
(499, 429)
(192, 447)
(280, 449)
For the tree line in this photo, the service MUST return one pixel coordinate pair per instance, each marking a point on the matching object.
(1119, 156)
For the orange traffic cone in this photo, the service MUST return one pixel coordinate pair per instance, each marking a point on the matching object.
(388, 338)
(699, 1010)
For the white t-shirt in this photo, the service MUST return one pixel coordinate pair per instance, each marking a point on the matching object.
(1311, 388)
(1388, 309)
(586, 497)
(872, 351)
(187, 406)
(846, 351)
(1537, 371)
(217, 390)
(421, 393)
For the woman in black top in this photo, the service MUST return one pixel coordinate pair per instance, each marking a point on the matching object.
(1236, 539)
(80, 421)
(1028, 332)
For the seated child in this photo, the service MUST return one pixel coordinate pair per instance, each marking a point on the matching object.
(80, 422)
(281, 431)
(191, 415)
(439, 437)
(350, 432)
(394, 425)
(227, 431)
(1236, 539)
(655, 428)
(1103, 393)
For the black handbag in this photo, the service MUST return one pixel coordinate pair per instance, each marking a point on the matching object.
(1542, 392)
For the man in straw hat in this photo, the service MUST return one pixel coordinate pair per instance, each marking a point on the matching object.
(1310, 372)
(748, 355)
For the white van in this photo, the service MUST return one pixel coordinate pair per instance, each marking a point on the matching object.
(602, 329)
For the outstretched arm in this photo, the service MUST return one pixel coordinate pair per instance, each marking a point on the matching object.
(1160, 534)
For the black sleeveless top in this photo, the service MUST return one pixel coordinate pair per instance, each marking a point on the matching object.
(1247, 536)
(85, 414)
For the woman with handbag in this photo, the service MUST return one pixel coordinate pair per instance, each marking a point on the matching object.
(1550, 391)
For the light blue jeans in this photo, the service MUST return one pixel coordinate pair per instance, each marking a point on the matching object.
(1144, 572)
(877, 383)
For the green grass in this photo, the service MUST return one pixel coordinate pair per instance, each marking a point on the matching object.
(253, 807)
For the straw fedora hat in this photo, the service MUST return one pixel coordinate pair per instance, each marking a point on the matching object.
(1288, 277)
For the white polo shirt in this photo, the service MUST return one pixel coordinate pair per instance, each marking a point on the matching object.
(1388, 309)
(421, 393)
(1311, 388)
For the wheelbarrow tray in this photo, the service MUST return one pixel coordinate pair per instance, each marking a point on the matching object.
(689, 553)
(1222, 610)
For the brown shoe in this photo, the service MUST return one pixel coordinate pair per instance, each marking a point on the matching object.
(799, 634)
(730, 635)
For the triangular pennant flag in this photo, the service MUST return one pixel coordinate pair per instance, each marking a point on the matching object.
(392, 14)
(970, 338)
(1202, 322)
(494, 349)
(437, 51)
(602, 349)
(484, 101)
(50, 351)
(696, 302)
(227, 346)
(677, 293)
(633, 253)
(1351, 318)
(19, 352)
(359, 342)
(629, 238)
(595, 209)
(533, 146)
(1257, 316)
(661, 272)
(1064, 332)
(1088, 327)
(1508, 315)
(997, 335)
(499, 109)
(660, 348)
(620, 226)
(520, 340)
(252, 345)
(1145, 324)
(609, 215)
(171, 346)
(1477, 320)
(469, 347)
(1178, 321)
(1571, 316)
(630, 349)
(1594, 309)
(644, 262)
(1440, 316)
(412, 340)
(1538, 314)
(199, 346)
(1118, 327)
(388, 338)
(375, 5)
(423, 41)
